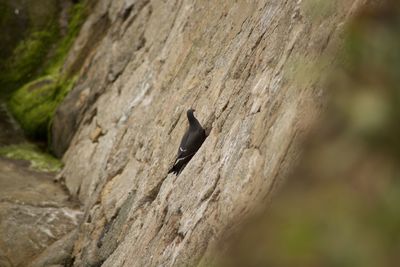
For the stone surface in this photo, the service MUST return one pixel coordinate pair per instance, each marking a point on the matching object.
(34, 212)
(58, 254)
(251, 71)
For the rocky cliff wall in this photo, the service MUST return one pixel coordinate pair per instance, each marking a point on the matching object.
(251, 71)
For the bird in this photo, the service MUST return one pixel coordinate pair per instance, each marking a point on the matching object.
(190, 143)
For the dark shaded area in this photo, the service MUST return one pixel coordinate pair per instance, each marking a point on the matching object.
(9, 130)
(27, 30)
(13, 26)
(340, 206)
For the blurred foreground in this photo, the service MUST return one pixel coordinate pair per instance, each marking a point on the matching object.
(340, 207)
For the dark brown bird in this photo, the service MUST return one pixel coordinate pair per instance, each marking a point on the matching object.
(190, 143)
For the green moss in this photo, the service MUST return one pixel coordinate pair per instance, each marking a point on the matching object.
(26, 40)
(34, 104)
(27, 58)
(77, 14)
(38, 159)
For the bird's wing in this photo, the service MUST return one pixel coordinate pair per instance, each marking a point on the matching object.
(193, 141)
(182, 146)
(190, 143)
(182, 157)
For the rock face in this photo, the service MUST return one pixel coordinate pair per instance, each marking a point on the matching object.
(251, 71)
(34, 213)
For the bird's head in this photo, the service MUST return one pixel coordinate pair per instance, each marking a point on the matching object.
(190, 111)
(190, 116)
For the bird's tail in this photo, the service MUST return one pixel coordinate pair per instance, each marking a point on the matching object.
(177, 170)
(173, 170)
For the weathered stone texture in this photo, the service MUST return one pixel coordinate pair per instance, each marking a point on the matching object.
(249, 70)
(34, 213)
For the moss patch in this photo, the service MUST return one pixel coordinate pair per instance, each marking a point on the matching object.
(39, 160)
(27, 57)
(27, 39)
(77, 17)
(34, 104)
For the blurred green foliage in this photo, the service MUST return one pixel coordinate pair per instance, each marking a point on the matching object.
(372, 71)
(341, 205)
